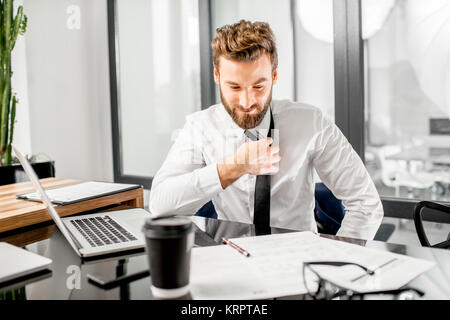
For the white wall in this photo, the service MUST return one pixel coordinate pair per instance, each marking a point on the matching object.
(68, 87)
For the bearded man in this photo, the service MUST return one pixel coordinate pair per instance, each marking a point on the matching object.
(254, 157)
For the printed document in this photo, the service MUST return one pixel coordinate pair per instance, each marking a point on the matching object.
(274, 268)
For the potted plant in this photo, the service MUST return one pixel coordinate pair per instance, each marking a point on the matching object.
(11, 26)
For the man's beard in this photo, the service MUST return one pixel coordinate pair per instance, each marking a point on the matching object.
(247, 121)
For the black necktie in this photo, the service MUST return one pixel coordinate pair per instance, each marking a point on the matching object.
(261, 214)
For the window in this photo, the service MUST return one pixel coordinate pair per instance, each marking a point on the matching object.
(157, 80)
(407, 81)
(314, 72)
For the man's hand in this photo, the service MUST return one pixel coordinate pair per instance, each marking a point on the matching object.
(254, 157)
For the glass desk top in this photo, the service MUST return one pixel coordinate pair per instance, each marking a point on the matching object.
(68, 278)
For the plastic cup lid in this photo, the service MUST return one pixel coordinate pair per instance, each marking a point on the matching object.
(167, 226)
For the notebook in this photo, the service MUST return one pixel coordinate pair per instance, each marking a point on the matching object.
(79, 192)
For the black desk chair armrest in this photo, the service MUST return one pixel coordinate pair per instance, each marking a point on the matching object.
(419, 224)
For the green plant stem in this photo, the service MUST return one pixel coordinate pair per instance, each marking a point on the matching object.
(10, 28)
(8, 153)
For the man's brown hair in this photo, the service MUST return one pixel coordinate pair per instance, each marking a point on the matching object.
(244, 41)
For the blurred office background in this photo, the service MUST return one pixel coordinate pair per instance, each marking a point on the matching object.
(104, 84)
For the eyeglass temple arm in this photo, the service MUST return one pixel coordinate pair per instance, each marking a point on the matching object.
(338, 264)
(393, 292)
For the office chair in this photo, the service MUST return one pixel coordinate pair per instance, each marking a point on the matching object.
(328, 213)
(419, 223)
(207, 211)
(328, 222)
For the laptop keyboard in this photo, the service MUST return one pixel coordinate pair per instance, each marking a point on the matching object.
(100, 231)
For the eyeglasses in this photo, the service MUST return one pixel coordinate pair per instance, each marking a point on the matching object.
(319, 288)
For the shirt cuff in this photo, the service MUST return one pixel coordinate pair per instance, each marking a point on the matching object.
(209, 180)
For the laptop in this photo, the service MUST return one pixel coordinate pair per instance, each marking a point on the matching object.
(16, 262)
(94, 234)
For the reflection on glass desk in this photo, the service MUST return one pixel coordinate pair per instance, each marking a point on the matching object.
(69, 276)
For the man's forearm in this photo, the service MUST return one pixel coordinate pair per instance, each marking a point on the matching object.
(228, 172)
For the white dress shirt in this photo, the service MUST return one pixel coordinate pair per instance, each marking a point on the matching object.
(188, 177)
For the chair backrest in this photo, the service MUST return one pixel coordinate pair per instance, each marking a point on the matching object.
(418, 222)
(207, 211)
(329, 211)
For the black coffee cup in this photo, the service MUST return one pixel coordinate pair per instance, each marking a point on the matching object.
(169, 242)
